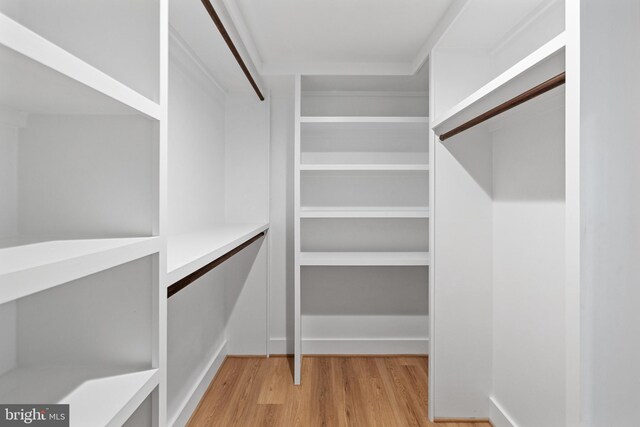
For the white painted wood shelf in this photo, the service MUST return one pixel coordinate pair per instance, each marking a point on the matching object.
(541, 65)
(364, 258)
(47, 79)
(191, 251)
(363, 167)
(27, 267)
(362, 119)
(364, 212)
(98, 396)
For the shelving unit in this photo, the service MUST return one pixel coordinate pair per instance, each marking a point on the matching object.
(79, 224)
(361, 186)
(501, 216)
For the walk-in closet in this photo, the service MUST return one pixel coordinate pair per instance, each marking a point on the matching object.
(333, 213)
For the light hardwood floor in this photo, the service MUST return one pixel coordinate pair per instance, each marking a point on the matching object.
(335, 392)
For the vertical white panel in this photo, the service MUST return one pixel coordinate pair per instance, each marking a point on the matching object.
(609, 158)
(281, 215)
(297, 333)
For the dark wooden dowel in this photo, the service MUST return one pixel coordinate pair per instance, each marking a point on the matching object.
(225, 35)
(187, 280)
(552, 83)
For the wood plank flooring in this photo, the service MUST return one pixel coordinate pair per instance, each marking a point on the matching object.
(335, 392)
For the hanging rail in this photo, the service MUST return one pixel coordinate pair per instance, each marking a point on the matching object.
(544, 87)
(225, 35)
(187, 280)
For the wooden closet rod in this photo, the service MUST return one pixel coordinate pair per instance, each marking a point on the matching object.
(225, 35)
(187, 280)
(552, 83)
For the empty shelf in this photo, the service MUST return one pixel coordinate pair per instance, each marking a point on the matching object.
(97, 396)
(45, 78)
(362, 119)
(34, 267)
(191, 251)
(363, 212)
(363, 167)
(364, 258)
(544, 63)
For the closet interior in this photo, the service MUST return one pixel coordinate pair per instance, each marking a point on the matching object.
(179, 185)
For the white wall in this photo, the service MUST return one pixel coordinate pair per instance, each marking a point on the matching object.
(529, 271)
(86, 175)
(195, 333)
(196, 152)
(8, 181)
(462, 353)
(610, 107)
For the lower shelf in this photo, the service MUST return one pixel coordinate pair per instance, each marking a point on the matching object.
(97, 396)
(364, 258)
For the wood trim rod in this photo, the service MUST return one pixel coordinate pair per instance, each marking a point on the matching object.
(187, 280)
(232, 47)
(544, 87)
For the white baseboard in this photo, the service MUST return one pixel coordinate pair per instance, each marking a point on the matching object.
(498, 416)
(353, 346)
(181, 418)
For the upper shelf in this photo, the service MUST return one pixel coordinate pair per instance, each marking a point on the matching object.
(40, 77)
(29, 268)
(543, 64)
(189, 252)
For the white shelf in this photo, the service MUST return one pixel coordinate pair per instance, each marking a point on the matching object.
(45, 78)
(363, 167)
(362, 119)
(98, 396)
(34, 267)
(364, 258)
(188, 252)
(541, 65)
(364, 212)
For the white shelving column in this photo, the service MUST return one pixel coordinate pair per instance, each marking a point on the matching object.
(361, 214)
(297, 248)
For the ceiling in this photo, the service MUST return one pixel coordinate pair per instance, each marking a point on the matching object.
(335, 36)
